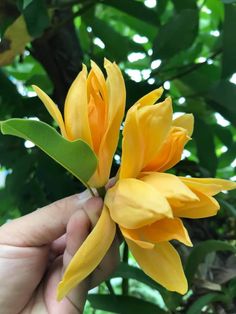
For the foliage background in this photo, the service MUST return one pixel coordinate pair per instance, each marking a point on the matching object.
(189, 46)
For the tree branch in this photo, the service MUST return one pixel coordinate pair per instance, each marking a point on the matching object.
(190, 68)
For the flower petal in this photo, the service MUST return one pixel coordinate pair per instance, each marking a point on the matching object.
(116, 92)
(100, 81)
(167, 229)
(97, 107)
(116, 105)
(162, 264)
(132, 146)
(209, 186)
(171, 151)
(163, 230)
(207, 206)
(133, 235)
(134, 204)
(145, 130)
(76, 109)
(150, 98)
(89, 255)
(154, 122)
(170, 186)
(52, 109)
(186, 121)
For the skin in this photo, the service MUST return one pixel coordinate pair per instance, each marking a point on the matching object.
(36, 248)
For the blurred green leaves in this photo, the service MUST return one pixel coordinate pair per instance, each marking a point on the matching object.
(200, 251)
(228, 1)
(36, 16)
(204, 138)
(190, 47)
(126, 271)
(203, 301)
(135, 9)
(177, 34)
(123, 304)
(24, 3)
(229, 41)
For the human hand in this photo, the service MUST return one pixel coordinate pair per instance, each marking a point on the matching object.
(36, 248)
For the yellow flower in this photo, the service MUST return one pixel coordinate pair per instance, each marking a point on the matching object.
(146, 203)
(93, 111)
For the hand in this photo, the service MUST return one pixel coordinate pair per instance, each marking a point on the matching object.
(36, 248)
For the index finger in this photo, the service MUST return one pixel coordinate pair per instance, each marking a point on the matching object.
(44, 225)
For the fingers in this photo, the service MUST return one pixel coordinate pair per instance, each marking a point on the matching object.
(43, 225)
(58, 246)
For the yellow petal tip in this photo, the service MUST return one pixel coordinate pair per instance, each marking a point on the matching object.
(160, 90)
(36, 88)
(107, 62)
(230, 185)
(60, 294)
(168, 100)
(183, 291)
(182, 287)
(189, 243)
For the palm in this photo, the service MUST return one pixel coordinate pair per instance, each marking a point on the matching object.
(44, 298)
(32, 261)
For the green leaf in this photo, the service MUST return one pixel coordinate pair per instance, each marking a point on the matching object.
(200, 251)
(223, 134)
(36, 17)
(8, 93)
(197, 306)
(231, 209)
(123, 304)
(218, 8)
(77, 157)
(228, 157)
(135, 9)
(24, 3)
(171, 299)
(221, 108)
(184, 4)
(228, 1)
(224, 93)
(176, 35)
(204, 138)
(229, 41)
(202, 79)
(130, 272)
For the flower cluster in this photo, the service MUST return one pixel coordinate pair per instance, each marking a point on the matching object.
(146, 203)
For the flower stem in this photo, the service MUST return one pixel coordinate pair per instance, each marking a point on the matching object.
(101, 192)
(90, 190)
(125, 259)
(109, 287)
